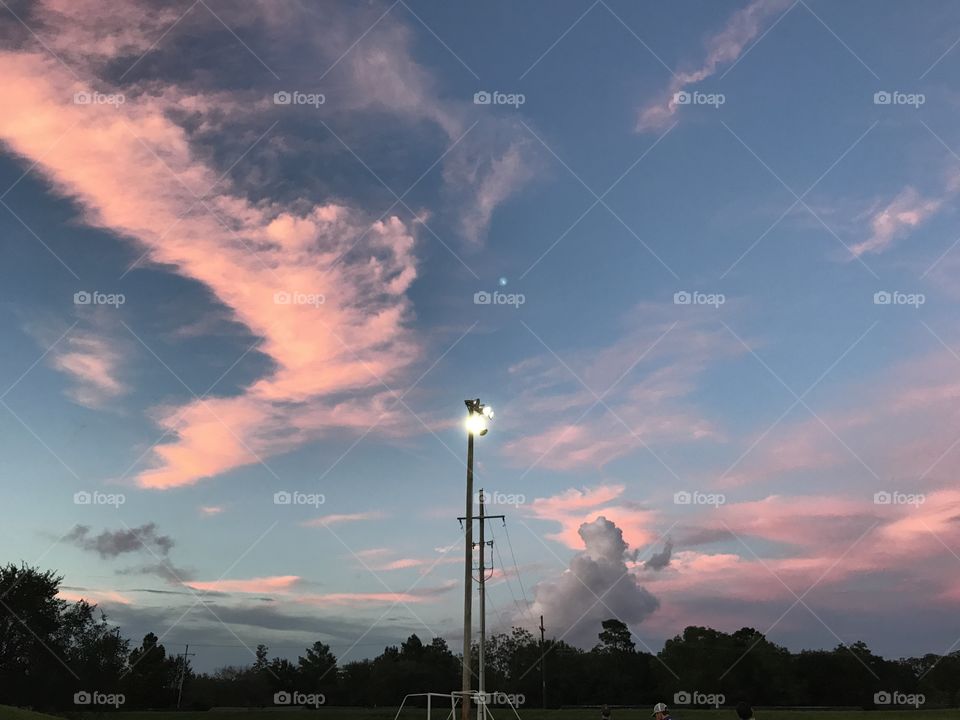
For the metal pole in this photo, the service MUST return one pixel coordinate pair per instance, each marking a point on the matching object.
(483, 599)
(543, 670)
(183, 673)
(468, 583)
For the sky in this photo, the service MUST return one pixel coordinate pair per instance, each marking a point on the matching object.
(699, 256)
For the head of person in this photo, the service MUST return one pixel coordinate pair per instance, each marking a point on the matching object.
(660, 711)
(744, 711)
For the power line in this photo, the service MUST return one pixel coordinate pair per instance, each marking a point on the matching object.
(526, 603)
(506, 577)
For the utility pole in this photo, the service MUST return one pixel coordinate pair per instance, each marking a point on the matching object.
(477, 416)
(482, 575)
(183, 671)
(468, 582)
(482, 581)
(543, 670)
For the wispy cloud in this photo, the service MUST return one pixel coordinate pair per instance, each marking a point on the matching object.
(635, 392)
(337, 519)
(259, 585)
(723, 48)
(905, 212)
(133, 170)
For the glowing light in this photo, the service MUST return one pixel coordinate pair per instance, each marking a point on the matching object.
(476, 424)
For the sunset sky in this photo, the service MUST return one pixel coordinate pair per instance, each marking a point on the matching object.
(694, 250)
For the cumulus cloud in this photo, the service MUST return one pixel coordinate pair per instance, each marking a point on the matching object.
(598, 585)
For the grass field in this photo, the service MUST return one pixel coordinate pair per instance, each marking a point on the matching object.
(335, 713)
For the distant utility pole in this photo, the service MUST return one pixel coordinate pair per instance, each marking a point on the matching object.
(183, 671)
(482, 581)
(482, 578)
(543, 669)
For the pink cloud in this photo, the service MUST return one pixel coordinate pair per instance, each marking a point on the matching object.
(644, 378)
(210, 510)
(574, 507)
(905, 212)
(277, 583)
(93, 364)
(337, 519)
(109, 160)
(94, 597)
(896, 423)
(420, 595)
(89, 354)
(134, 171)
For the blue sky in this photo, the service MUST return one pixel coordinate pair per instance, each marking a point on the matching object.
(299, 313)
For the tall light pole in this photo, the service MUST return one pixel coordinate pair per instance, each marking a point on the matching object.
(477, 416)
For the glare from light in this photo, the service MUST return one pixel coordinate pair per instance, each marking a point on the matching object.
(476, 424)
(488, 411)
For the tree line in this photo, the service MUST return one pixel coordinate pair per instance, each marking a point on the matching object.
(59, 655)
